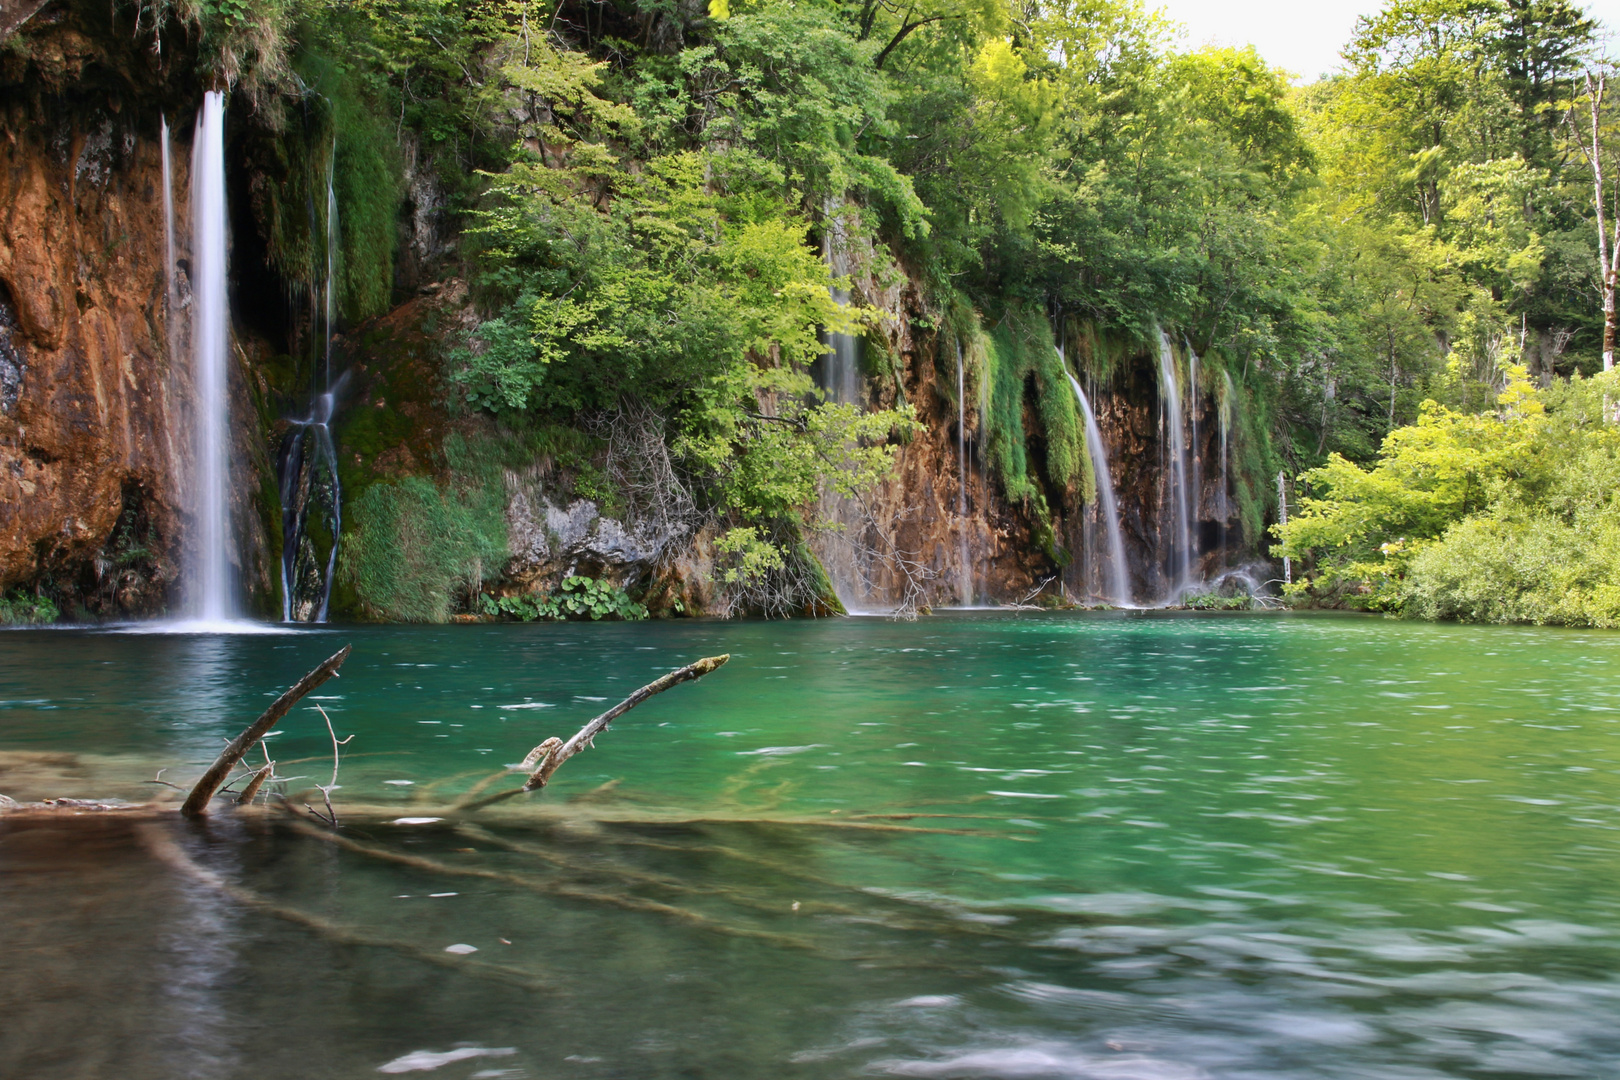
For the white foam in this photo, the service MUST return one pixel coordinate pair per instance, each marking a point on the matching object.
(427, 1060)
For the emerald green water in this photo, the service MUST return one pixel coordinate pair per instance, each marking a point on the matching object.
(1176, 847)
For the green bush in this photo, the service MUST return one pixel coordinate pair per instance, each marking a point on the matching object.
(1509, 517)
(577, 598)
(1210, 601)
(22, 609)
(1538, 569)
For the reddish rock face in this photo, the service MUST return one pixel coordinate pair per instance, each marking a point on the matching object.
(93, 370)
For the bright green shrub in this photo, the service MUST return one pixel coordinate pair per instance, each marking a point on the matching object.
(576, 598)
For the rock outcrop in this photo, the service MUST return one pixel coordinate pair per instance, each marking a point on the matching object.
(94, 382)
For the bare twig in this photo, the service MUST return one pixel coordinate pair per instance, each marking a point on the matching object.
(546, 758)
(158, 779)
(203, 792)
(327, 789)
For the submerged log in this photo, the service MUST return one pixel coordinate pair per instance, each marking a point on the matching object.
(202, 793)
(163, 848)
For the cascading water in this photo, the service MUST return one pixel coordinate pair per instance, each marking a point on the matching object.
(208, 592)
(1195, 494)
(1228, 400)
(308, 470)
(841, 372)
(1179, 556)
(964, 580)
(169, 296)
(1119, 583)
(840, 381)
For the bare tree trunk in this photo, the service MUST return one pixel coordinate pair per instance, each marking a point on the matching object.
(1608, 319)
(1608, 253)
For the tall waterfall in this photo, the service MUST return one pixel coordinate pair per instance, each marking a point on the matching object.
(1178, 563)
(208, 592)
(841, 374)
(846, 559)
(1119, 582)
(964, 580)
(170, 300)
(1195, 493)
(1227, 403)
(308, 468)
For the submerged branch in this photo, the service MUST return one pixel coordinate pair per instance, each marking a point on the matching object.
(548, 763)
(167, 852)
(202, 793)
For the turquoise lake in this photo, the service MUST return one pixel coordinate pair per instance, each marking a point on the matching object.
(1123, 847)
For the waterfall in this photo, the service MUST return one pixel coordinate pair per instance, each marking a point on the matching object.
(847, 559)
(1195, 449)
(1118, 576)
(1228, 394)
(208, 593)
(964, 581)
(1179, 561)
(1224, 417)
(308, 468)
(169, 298)
(841, 374)
(1282, 519)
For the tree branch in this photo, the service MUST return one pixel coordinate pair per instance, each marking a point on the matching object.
(905, 32)
(203, 791)
(548, 760)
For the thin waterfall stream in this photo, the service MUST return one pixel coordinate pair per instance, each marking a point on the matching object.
(307, 468)
(840, 381)
(1119, 582)
(964, 583)
(1178, 561)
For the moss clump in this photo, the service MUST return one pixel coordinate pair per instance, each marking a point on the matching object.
(1018, 360)
(417, 550)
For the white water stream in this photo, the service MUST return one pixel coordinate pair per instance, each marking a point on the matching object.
(208, 595)
(1119, 583)
(964, 581)
(1178, 564)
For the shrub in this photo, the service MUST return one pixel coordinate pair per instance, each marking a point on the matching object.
(577, 598)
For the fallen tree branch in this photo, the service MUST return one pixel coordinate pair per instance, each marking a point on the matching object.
(546, 758)
(544, 762)
(202, 793)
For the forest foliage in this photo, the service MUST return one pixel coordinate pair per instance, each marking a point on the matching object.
(1369, 261)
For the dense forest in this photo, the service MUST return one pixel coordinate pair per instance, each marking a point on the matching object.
(1392, 278)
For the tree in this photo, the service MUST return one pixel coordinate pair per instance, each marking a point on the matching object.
(1590, 141)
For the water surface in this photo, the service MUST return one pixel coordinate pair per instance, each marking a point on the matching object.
(1166, 847)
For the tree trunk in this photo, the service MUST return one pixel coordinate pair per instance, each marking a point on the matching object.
(1608, 319)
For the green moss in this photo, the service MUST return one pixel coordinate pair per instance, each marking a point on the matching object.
(1014, 359)
(333, 131)
(417, 550)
